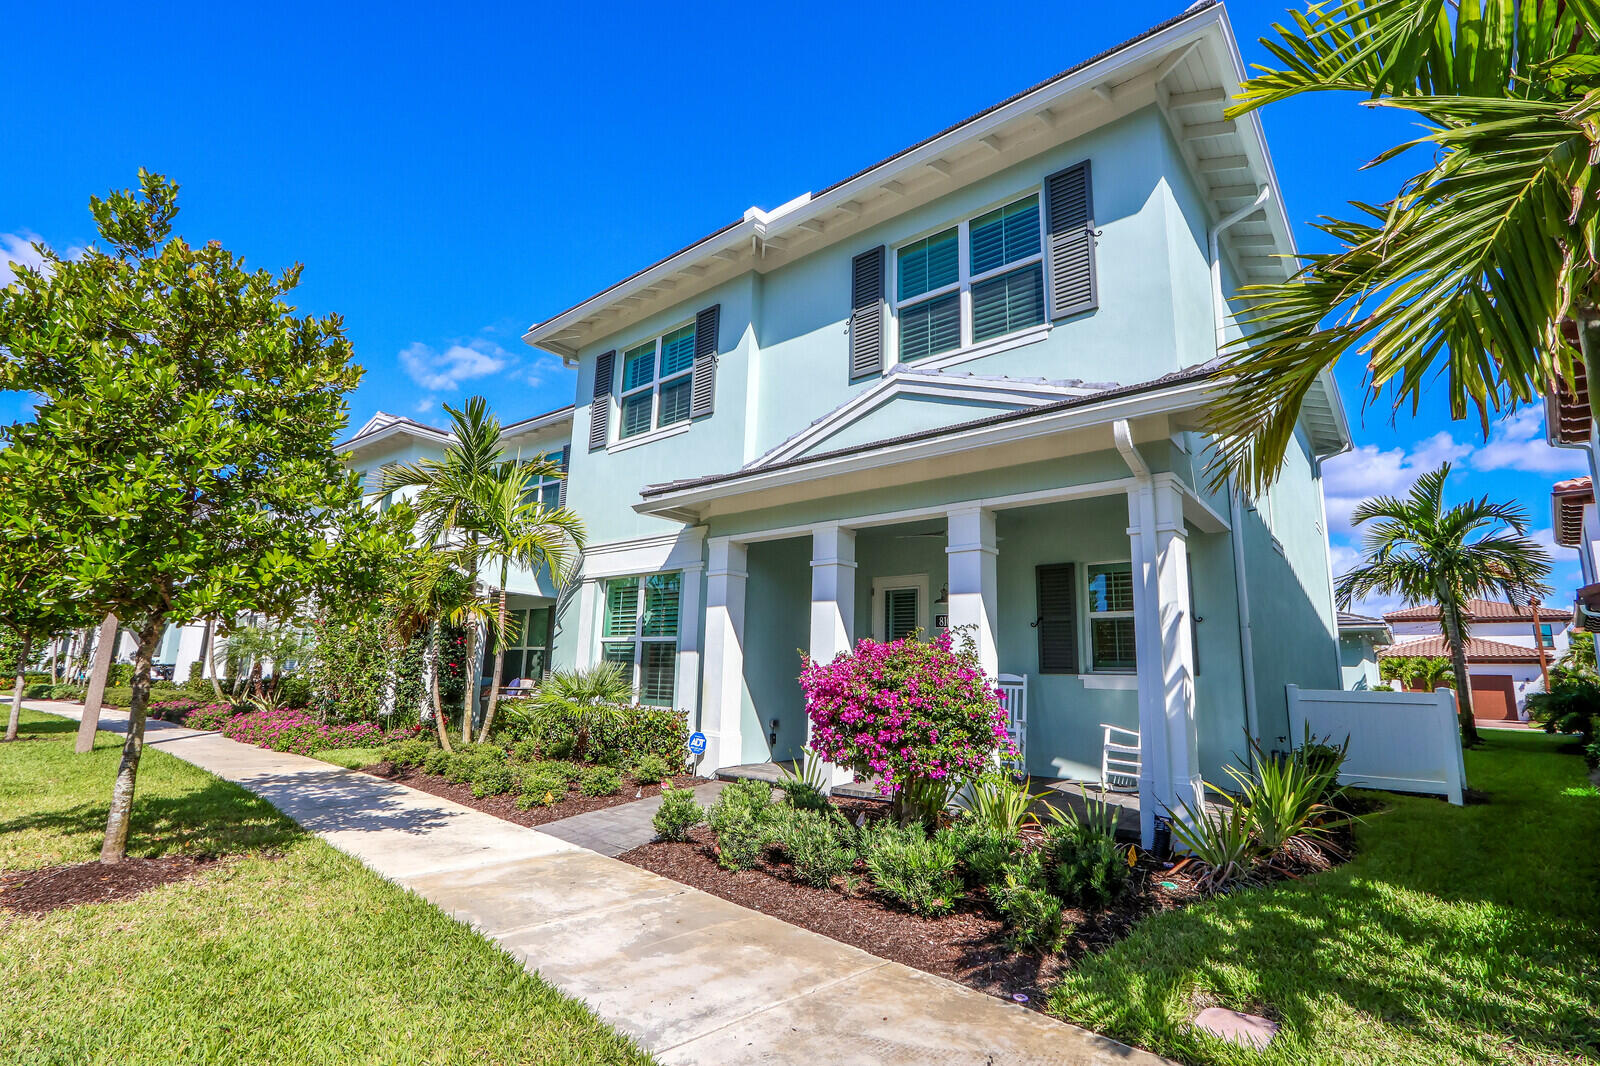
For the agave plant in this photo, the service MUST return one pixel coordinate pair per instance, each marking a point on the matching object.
(1223, 842)
(1285, 802)
(1098, 817)
(1001, 804)
(806, 789)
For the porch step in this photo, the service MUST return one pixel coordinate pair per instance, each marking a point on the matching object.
(772, 773)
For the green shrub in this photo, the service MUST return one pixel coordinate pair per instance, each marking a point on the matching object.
(1082, 864)
(1000, 803)
(526, 750)
(600, 781)
(821, 845)
(561, 747)
(437, 761)
(67, 692)
(542, 787)
(38, 691)
(808, 789)
(608, 733)
(492, 778)
(911, 868)
(120, 675)
(980, 852)
(569, 772)
(1031, 913)
(651, 770)
(742, 820)
(677, 814)
(408, 753)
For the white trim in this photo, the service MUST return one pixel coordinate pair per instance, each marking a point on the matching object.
(645, 555)
(645, 438)
(993, 346)
(916, 382)
(880, 603)
(1121, 682)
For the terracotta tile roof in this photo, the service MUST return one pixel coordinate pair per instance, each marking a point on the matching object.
(1567, 501)
(1481, 611)
(1478, 650)
(1566, 410)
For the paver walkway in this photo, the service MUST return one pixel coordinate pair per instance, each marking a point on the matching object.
(694, 978)
(614, 830)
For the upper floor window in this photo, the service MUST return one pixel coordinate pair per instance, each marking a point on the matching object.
(1547, 634)
(547, 488)
(977, 280)
(656, 378)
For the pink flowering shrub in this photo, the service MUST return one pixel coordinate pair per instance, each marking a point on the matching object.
(908, 712)
(209, 716)
(285, 729)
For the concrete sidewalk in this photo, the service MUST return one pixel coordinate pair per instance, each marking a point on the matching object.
(694, 978)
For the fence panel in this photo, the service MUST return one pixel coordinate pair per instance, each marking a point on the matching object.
(1399, 741)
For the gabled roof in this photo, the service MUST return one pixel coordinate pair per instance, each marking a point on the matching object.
(1481, 611)
(1478, 651)
(1188, 65)
(383, 427)
(1377, 628)
(1567, 501)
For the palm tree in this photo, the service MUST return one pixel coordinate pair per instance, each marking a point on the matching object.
(435, 591)
(1483, 268)
(1422, 552)
(520, 530)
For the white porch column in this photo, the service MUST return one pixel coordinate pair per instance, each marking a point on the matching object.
(833, 605)
(587, 653)
(722, 702)
(1169, 756)
(688, 684)
(972, 557)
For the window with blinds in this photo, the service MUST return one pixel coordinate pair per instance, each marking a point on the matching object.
(656, 380)
(899, 613)
(640, 633)
(527, 646)
(1111, 634)
(995, 260)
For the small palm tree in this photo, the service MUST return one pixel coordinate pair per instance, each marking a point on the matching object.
(519, 530)
(1483, 273)
(588, 697)
(435, 591)
(1420, 551)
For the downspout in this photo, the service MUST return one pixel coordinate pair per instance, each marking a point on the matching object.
(1241, 588)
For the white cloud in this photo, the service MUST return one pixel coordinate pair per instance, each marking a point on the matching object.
(426, 404)
(1372, 471)
(545, 369)
(1517, 443)
(443, 371)
(18, 248)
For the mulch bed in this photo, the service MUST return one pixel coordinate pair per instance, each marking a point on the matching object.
(505, 805)
(36, 892)
(968, 945)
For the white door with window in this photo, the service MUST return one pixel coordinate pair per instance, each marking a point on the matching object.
(900, 607)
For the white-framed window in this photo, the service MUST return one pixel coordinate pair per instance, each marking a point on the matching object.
(640, 632)
(968, 283)
(547, 488)
(1547, 635)
(900, 606)
(527, 650)
(656, 378)
(1110, 602)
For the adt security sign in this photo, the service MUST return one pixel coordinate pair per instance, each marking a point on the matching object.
(697, 743)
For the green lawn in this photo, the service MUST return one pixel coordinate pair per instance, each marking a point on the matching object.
(289, 953)
(1456, 935)
(351, 758)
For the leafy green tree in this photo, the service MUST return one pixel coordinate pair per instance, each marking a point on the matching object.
(479, 505)
(1481, 272)
(180, 459)
(1423, 552)
(36, 606)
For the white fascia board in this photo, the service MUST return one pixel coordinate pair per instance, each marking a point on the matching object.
(764, 225)
(533, 425)
(1255, 144)
(1141, 405)
(394, 429)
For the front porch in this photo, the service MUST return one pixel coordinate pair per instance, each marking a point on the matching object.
(1079, 602)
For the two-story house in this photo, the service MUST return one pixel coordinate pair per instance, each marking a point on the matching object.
(1510, 648)
(964, 388)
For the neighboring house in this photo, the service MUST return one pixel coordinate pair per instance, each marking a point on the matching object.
(964, 388)
(1576, 524)
(1360, 637)
(1504, 650)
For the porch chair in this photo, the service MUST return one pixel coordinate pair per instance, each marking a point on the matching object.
(1119, 759)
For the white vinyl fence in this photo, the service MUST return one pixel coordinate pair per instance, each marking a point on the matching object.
(1399, 741)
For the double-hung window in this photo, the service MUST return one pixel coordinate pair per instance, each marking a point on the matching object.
(973, 282)
(1547, 635)
(527, 646)
(656, 377)
(1111, 646)
(641, 633)
(547, 488)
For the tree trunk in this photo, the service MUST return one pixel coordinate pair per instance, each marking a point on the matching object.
(469, 699)
(206, 635)
(1450, 615)
(16, 691)
(499, 662)
(104, 648)
(433, 683)
(115, 848)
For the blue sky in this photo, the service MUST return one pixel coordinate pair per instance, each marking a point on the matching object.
(449, 174)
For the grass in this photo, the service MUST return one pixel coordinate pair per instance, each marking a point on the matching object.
(351, 758)
(1456, 935)
(288, 953)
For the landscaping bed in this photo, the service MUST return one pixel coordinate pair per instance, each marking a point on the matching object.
(36, 892)
(508, 806)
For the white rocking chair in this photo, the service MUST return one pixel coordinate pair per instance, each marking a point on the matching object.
(1119, 759)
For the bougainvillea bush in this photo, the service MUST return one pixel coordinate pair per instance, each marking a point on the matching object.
(285, 729)
(911, 713)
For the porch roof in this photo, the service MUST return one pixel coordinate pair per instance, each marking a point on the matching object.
(993, 441)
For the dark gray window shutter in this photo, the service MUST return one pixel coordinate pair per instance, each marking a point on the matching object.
(703, 391)
(1058, 618)
(605, 368)
(561, 491)
(866, 313)
(1069, 241)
